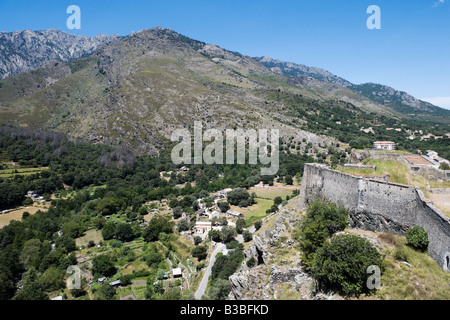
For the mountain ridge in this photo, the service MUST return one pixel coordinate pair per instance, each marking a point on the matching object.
(136, 90)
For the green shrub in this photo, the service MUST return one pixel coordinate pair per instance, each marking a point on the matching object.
(400, 254)
(323, 219)
(341, 264)
(251, 262)
(417, 238)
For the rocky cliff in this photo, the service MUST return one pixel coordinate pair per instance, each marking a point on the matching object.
(278, 274)
(21, 51)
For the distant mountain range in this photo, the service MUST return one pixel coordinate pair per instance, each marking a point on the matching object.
(397, 100)
(22, 51)
(136, 90)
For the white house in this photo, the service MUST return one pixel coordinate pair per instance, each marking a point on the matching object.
(384, 145)
(202, 227)
(177, 273)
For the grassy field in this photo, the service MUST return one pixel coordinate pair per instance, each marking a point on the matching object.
(9, 172)
(5, 219)
(94, 235)
(424, 280)
(270, 193)
(256, 211)
(399, 173)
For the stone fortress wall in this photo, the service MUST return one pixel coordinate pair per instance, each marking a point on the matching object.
(378, 205)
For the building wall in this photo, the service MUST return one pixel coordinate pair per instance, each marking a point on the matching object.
(379, 206)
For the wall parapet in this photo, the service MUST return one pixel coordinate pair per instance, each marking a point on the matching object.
(379, 206)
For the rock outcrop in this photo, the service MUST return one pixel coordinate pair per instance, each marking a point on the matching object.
(275, 276)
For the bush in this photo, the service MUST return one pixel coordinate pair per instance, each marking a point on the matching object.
(400, 254)
(247, 236)
(200, 252)
(27, 202)
(214, 235)
(103, 265)
(417, 238)
(224, 206)
(240, 225)
(342, 263)
(251, 262)
(197, 240)
(323, 219)
(258, 224)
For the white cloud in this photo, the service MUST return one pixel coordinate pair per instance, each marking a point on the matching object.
(443, 102)
(437, 3)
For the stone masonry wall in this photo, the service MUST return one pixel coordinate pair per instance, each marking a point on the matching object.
(379, 206)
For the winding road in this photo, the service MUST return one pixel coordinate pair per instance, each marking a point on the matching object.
(220, 247)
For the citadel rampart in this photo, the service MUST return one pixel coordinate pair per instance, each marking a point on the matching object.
(379, 206)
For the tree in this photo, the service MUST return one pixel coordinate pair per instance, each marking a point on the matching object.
(155, 227)
(177, 211)
(7, 286)
(106, 292)
(154, 259)
(197, 240)
(27, 202)
(124, 232)
(52, 279)
(32, 289)
(219, 290)
(251, 262)
(240, 225)
(237, 196)
(109, 230)
(103, 265)
(227, 234)
(277, 201)
(224, 206)
(30, 255)
(200, 252)
(72, 229)
(66, 243)
(417, 238)
(342, 263)
(323, 219)
(258, 224)
(214, 235)
(183, 225)
(247, 236)
(444, 166)
(289, 180)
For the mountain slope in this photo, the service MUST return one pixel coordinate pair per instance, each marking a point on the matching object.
(22, 51)
(399, 102)
(137, 90)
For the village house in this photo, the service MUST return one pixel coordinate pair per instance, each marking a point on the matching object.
(202, 227)
(384, 145)
(116, 283)
(177, 273)
(234, 214)
(102, 280)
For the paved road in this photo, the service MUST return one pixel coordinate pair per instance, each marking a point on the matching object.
(202, 287)
(220, 247)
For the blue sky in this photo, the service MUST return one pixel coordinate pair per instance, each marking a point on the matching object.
(411, 52)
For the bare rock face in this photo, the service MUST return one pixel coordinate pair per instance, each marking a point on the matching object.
(270, 280)
(22, 51)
